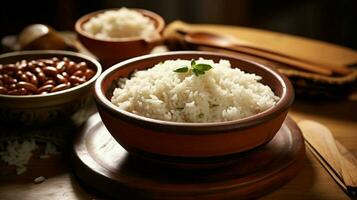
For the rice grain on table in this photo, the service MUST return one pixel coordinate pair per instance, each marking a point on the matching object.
(18, 154)
(221, 94)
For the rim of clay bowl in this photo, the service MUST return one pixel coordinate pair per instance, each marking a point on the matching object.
(152, 15)
(54, 53)
(286, 98)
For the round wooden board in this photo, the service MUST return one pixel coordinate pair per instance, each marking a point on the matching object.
(103, 165)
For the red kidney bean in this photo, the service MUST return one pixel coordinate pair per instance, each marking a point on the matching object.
(19, 73)
(23, 77)
(50, 71)
(48, 62)
(12, 86)
(42, 76)
(29, 74)
(50, 82)
(60, 87)
(40, 64)
(45, 88)
(61, 79)
(34, 80)
(55, 59)
(71, 67)
(32, 65)
(28, 86)
(23, 65)
(14, 92)
(10, 68)
(82, 66)
(38, 70)
(78, 73)
(89, 74)
(61, 66)
(65, 74)
(3, 90)
(75, 79)
(23, 91)
(9, 80)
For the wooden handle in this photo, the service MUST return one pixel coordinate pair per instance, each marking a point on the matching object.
(349, 169)
(314, 51)
(285, 60)
(340, 70)
(339, 159)
(228, 45)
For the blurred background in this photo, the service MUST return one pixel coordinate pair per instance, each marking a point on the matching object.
(332, 21)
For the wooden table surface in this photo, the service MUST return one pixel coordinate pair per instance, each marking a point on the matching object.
(313, 182)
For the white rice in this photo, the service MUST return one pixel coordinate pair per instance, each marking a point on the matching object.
(120, 23)
(19, 153)
(39, 179)
(221, 94)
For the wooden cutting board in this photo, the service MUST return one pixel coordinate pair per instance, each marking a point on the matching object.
(102, 164)
(295, 46)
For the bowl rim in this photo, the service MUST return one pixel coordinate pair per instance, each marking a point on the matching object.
(54, 53)
(152, 15)
(282, 105)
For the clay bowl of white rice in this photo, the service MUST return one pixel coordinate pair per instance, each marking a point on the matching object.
(114, 35)
(159, 105)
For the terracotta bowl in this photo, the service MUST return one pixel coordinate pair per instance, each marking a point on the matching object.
(112, 51)
(41, 109)
(146, 136)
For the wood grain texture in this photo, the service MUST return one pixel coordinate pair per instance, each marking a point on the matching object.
(321, 139)
(303, 48)
(104, 165)
(312, 182)
(349, 169)
(215, 41)
(236, 43)
(323, 145)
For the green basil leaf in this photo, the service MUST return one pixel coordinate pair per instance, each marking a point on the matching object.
(181, 70)
(195, 71)
(193, 63)
(203, 67)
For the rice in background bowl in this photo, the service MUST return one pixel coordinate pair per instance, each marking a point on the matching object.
(122, 23)
(112, 50)
(221, 94)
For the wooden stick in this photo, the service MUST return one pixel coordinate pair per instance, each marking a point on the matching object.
(349, 171)
(231, 43)
(338, 161)
(328, 168)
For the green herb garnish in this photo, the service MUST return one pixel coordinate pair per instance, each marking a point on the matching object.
(181, 70)
(197, 69)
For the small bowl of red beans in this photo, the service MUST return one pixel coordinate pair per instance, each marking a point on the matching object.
(38, 87)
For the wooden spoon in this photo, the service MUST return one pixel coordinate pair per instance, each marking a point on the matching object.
(338, 161)
(230, 43)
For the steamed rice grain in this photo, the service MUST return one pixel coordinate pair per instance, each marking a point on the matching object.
(221, 94)
(120, 23)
